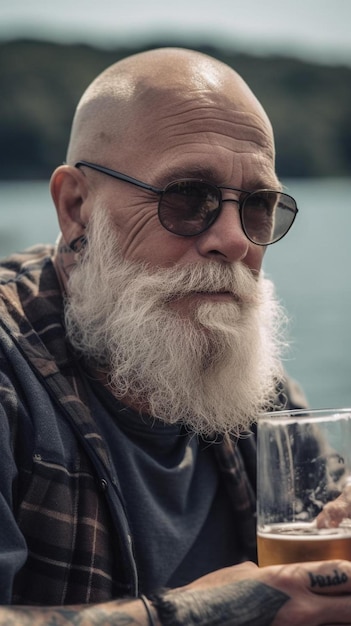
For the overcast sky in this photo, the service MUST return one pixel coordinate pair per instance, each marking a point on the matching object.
(318, 29)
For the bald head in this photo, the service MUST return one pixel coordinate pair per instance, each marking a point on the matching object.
(115, 112)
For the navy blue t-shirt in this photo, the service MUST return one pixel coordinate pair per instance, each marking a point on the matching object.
(180, 517)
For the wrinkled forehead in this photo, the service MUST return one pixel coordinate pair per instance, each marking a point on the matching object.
(165, 118)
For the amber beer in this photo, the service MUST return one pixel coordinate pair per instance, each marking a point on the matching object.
(292, 543)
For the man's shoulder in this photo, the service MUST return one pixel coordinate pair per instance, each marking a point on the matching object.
(29, 288)
(27, 262)
(26, 275)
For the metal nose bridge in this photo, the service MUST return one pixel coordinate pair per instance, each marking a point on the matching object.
(232, 189)
(230, 200)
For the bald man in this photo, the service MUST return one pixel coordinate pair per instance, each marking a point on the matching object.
(136, 353)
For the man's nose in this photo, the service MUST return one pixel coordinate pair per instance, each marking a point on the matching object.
(225, 239)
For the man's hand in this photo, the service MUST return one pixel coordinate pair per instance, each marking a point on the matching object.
(303, 594)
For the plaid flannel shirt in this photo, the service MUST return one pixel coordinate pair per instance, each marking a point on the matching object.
(67, 529)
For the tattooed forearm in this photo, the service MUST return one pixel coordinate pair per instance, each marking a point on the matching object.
(109, 614)
(337, 578)
(245, 602)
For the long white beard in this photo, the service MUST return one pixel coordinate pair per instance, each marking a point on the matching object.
(213, 370)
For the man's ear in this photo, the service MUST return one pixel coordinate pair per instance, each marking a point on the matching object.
(69, 190)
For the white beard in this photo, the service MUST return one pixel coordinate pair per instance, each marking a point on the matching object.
(213, 370)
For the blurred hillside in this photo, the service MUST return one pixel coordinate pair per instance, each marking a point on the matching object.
(41, 83)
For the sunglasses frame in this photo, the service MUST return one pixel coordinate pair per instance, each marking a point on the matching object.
(138, 183)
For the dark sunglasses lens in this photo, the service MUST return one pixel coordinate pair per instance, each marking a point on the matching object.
(267, 216)
(189, 207)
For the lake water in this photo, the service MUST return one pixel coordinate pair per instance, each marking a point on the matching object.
(311, 268)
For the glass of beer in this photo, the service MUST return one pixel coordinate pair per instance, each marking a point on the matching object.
(304, 486)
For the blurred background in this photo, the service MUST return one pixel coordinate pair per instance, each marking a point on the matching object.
(296, 56)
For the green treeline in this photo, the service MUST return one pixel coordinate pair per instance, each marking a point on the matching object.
(41, 83)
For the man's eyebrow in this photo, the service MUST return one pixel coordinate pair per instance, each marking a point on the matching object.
(192, 171)
(269, 182)
(209, 175)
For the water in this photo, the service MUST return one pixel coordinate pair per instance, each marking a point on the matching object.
(311, 268)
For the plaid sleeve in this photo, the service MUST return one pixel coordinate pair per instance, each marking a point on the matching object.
(13, 548)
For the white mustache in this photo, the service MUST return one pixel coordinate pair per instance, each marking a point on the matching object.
(174, 283)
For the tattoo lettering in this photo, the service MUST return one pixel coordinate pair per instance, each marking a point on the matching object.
(328, 581)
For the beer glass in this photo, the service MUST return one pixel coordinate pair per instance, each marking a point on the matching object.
(304, 486)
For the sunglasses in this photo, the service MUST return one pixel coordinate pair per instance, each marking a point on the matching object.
(189, 207)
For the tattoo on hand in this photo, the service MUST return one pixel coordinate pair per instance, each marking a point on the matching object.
(252, 602)
(337, 578)
(245, 602)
